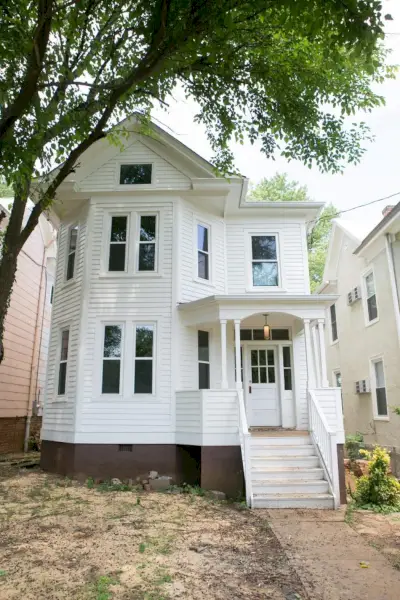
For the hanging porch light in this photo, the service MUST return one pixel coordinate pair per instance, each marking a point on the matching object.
(267, 329)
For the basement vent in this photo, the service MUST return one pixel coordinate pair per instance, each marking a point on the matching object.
(354, 295)
(362, 386)
(125, 448)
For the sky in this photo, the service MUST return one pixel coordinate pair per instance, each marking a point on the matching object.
(376, 176)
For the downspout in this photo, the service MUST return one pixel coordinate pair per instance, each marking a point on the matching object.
(393, 284)
(36, 348)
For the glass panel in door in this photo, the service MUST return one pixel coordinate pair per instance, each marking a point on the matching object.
(262, 366)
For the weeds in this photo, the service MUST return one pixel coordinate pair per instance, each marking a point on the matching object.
(101, 588)
(109, 486)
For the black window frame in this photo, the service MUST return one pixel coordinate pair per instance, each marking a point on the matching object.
(203, 363)
(141, 359)
(63, 363)
(333, 320)
(112, 359)
(113, 243)
(135, 164)
(71, 253)
(202, 254)
(142, 243)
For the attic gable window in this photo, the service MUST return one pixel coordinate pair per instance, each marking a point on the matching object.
(135, 174)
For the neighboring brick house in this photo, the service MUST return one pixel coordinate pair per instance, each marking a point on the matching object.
(26, 338)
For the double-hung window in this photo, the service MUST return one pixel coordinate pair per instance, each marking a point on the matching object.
(264, 261)
(334, 332)
(203, 252)
(379, 391)
(204, 359)
(72, 243)
(144, 359)
(62, 369)
(112, 352)
(118, 242)
(372, 309)
(147, 243)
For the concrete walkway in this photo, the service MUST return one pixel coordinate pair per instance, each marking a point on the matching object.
(328, 556)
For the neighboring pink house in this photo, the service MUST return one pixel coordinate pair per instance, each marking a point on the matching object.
(23, 370)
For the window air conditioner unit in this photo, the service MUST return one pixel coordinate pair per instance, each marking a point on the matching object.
(354, 295)
(362, 386)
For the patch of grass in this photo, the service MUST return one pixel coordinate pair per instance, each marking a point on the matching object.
(384, 509)
(142, 548)
(100, 590)
(349, 516)
(3, 573)
(109, 486)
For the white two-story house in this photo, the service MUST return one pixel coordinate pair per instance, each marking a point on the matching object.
(184, 336)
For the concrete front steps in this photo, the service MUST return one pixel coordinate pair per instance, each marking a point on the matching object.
(286, 472)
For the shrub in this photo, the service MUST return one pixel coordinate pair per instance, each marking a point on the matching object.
(354, 443)
(378, 488)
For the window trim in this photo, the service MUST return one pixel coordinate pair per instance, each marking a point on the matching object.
(206, 362)
(365, 274)
(249, 261)
(290, 368)
(68, 253)
(143, 395)
(139, 215)
(210, 281)
(105, 324)
(333, 341)
(372, 361)
(134, 186)
(334, 379)
(109, 230)
(63, 396)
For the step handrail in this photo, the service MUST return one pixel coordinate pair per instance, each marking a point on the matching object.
(324, 440)
(245, 447)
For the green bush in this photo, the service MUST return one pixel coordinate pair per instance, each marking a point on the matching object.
(378, 488)
(354, 443)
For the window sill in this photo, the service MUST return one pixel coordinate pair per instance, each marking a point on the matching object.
(59, 400)
(369, 323)
(135, 275)
(382, 418)
(335, 342)
(206, 282)
(68, 284)
(106, 398)
(261, 289)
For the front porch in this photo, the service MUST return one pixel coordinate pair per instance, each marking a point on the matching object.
(253, 382)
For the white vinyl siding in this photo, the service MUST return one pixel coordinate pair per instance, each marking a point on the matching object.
(106, 177)
(292, 254)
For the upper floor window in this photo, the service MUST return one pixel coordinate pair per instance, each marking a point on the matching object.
(135, 174)
(372, 307)
(264, 260)
(147, 242)
(117, 252)
(144, 359)
(72, 243)
(62, 369)
(334, 332)
(203, 252)
(111, 359)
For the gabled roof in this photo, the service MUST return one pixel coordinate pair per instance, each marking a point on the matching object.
(381, 228)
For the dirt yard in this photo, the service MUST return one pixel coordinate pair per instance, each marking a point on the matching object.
(382, 532)
(62, 540)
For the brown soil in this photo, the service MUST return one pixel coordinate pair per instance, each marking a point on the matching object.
(61, 540)
(381, 531)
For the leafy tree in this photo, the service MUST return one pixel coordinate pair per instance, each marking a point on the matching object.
(288, 73)
(280, 188)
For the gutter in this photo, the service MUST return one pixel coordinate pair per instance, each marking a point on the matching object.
(393, 283)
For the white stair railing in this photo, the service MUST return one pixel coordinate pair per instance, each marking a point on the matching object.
(325, 441)
(245, 446)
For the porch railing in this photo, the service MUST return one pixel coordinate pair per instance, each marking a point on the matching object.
(325, 441)
(245, 446)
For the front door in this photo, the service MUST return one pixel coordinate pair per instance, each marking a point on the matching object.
(262, 397)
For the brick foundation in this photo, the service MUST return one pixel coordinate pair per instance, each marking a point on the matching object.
(12, 433)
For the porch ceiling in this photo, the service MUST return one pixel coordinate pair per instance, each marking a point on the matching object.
(232, 307)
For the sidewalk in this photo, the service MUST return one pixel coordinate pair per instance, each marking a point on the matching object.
(328, 556)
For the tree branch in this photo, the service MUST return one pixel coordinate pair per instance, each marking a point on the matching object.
(33, 68)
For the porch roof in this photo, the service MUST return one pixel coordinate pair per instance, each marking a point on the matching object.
(240, 306)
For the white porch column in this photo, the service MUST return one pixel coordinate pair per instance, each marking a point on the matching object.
(316, 355)
(224, 370)
(322, 353)
(239, 384)
(310, 367)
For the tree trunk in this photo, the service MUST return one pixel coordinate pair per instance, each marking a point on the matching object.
(8, 268)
